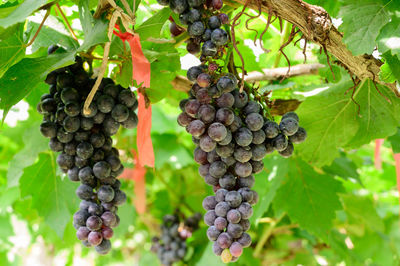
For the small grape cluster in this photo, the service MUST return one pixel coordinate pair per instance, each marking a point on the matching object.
(85, 146)
(232, 136)
(171, 246)
(203, 23)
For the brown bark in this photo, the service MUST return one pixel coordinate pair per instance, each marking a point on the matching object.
(316, 25)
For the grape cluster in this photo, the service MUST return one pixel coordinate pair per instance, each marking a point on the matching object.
(171, 246)
(203, 22)
(85, 145)
(232, 137)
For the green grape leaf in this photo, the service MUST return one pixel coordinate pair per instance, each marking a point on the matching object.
(379, 118)
(343, 167)
(53, 198)
(362, 22)
(391, 67)
(361, 210)
(163, 69)
(329, 125)
(34, 144)
(337, 123)
(49, 36)
(388, 39)
(96, 35)
(308, 197)
(167, 144)
(395, 141)
(12, 47)
(21, 12)
(124, 74)
(22, 77)
(152, 26)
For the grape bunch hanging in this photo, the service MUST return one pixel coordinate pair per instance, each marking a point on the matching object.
(85, 145)
(171, 246)
(230, 129)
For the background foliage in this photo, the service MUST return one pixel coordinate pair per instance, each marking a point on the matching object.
(328, 204)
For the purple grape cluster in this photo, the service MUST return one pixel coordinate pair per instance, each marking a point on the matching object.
(171, 247)
(232, 136)
(203, 21)
(85, 145)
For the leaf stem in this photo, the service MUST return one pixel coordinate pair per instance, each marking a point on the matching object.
(267, 232)
(40, 27)
(284, 36)
(66, 21)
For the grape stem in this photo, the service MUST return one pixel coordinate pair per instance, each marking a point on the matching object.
(40, 27)
(66, 22)
(267, 232)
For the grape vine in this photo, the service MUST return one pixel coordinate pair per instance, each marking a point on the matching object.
(86, 150)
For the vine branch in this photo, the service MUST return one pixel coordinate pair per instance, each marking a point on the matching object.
(316, 25)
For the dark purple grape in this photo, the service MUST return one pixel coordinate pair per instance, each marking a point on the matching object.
(206, 113)
(193, 47)
(245, 209)
(224, 151)
(196, 128)
(243, 137)
(48, 129)
(222, 208)
(196, 29)
(217, 249)
(245, 240)
(105, 193)
(271, 129)
(217, 169)
(243, 169)
(65, 161)
(202, 94)
(109, 219)
(210, 180)
(104, 247)
(175, 29)
(209, 217)
(246, 181)
(82, 233)
(107, 233)
(243, 154)
(219, 37)
(299, 137)
(241, 99)
(194, 72)
(292, 115)
(212, 156)
(209, 48)
(288, 151)
(220, 195)
(200, 156)
(220, 223)
(236, 249)
(235, 230)
(224, 240)
(73, 174)
(223, 18)
(254, 121)
(204, 80)
(288, 126)
(178, 6)
(228, 181)
(257, 166)
(225, 84)
(184, 119)
(214, 22)
(245, 223)
(209, 203)
(213, 233)
(280, 142)
(258, 151)
(233, 216)
(233, 198)
(258, 137)
(84, 150)
(217, 131)
(192, 107)
(225, 116)
(102, 169)
(225, 100)
(207, 144)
